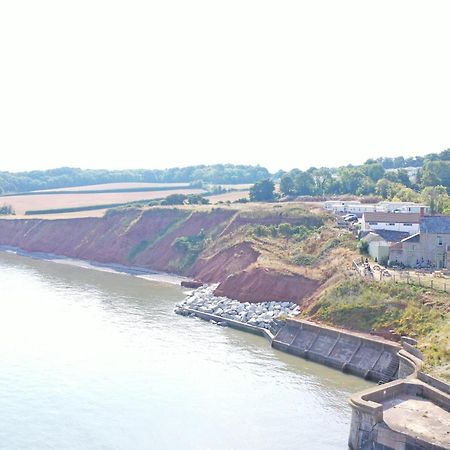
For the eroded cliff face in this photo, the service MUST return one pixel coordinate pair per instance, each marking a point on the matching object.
(146, 238)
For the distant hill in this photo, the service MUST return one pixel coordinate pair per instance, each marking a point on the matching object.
(69, 177)
(383, 177)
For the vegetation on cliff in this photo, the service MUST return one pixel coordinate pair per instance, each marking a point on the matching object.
(406, 310)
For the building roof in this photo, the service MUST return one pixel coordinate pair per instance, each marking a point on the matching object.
(435, 224)
(391, 217)
(413, 238)
(385, 202)
(392, 236)
(384, 235)
(372, 237)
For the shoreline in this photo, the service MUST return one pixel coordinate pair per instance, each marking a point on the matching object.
(136, 271)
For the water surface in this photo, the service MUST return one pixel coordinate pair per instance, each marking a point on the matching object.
(98, 360)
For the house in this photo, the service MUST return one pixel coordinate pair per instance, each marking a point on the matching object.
(405, 207)
(381, 241)
(404, 222)
(428, 248)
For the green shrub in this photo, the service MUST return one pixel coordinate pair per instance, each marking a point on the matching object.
(6, 210)
(304, 260)
(363, 247)
(189, 247)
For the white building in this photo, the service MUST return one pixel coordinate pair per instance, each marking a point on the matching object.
(404, 207)
(358, 208)
(340, 206)
(405, 222)
(350, 206)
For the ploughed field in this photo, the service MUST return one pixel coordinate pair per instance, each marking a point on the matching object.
(109, 186)
(60, 200)
(231, 196)
(94, 200)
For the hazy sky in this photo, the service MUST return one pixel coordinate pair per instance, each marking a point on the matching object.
(127, 84)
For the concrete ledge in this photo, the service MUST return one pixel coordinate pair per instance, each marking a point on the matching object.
(231, 323)
(438, 384)
(409, 364)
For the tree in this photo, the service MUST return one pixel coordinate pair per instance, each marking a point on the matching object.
(385, 188)
(351, 179)
(174, 199)
(436, 173)
(263, 191)
(287, 185)
(374, 171)
(6, 210)
(403, 177)
(445, 155)
(196, 199)
(406, 195)
(304, 183)
(436, 197)
(366, 187)
(322, 179)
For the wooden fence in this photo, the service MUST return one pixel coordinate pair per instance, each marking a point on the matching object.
(427, 281)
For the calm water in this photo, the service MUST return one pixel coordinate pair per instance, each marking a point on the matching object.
(98, 360)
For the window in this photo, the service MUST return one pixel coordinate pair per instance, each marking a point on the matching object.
(439, 240)
(407, 224)
(391, 224)
(373, 223)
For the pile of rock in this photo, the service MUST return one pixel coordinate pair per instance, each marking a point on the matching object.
(263, 314)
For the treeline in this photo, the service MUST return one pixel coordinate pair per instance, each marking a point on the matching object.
(375, 177)
(415, 161)
(381, 177)
(70, 177)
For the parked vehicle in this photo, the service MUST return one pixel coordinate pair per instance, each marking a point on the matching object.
(350, 218)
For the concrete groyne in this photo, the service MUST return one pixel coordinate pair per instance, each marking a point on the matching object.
(370, 358)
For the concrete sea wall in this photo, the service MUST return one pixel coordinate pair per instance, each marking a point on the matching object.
(412, 413)
(369, 358)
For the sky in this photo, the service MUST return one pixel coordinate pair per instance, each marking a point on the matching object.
(153, 84)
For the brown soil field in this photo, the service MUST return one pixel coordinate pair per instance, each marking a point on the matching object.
(238, 187)
(228, 196)
(100, 187)
(23, 203)
(67, 215)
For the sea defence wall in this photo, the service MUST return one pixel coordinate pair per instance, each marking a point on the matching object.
(402, 415)
(411, 413)
(228, 322)
(360, 355)
(372, 359)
